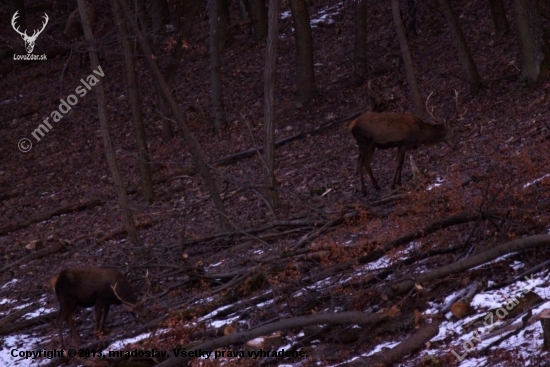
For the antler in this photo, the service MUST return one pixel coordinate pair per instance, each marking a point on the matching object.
(430, 111)
(458, 115)
(145, 296)
(13, 19)
(113, 287)
(43, 25)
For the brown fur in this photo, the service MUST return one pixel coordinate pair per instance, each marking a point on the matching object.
(393, 130)
(74, 32)
(53, 280)
(89, 286)
(73, 28)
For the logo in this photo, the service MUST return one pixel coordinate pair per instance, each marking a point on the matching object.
(29, 40)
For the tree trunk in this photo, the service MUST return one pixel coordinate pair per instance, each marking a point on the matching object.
(146, 27)
(499, 17)
(189, 17)
(224, 24)
(193, 145)
(135, 101)
(133, 235)
(160, 15)
(269, 112)
(532, 40)
(258, 16)
(360, 62)
(218, 112)
(464, 54)
(411, 14)
(243, 8)
(145, 20)
(544, 9)
(305, 73)
(407, 60)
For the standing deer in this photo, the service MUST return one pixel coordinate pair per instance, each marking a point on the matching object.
(395, 130)
(89, 286)
(73, 29)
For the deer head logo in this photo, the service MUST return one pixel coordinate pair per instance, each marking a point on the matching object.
(29, 40)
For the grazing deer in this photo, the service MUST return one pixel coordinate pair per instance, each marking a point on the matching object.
(89, 286)
(395, 130)
(74, 32)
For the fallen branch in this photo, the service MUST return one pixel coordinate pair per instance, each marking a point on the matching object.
(471, 262)
(272, 225)
(18, 313)
(104, 343)
(358, 318)
(73, 207)
(122, 231)
(225, 161)
(396, 354)
(429, 229)
(40, 320)
(381, 251)
(35, 255)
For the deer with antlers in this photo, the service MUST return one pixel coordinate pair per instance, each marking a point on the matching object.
(93, 286)
(396, 130)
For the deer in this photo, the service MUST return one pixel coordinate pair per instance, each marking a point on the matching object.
(396, 130)
(73, 31)
(89, 286)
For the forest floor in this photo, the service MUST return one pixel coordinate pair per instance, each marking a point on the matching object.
(327, 249)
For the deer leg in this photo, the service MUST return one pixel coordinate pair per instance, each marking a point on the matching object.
(105, 312)
(59, 324)
(66, 313)
(400, 159)
(368, 152)
(70, 321)
(98, 316)
(360, 169)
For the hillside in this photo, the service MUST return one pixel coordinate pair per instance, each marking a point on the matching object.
(327, 249)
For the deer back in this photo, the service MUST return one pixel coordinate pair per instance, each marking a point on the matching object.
(388, 130)
(87, 285)
(73, 28)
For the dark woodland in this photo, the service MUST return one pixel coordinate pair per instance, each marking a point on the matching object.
(359, 183)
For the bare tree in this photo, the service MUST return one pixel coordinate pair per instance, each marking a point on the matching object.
(135, 102)
(499, 17)
(269, 113)
(532, 40)
(411, 15)
(243, 8)
(464, 54)
(224, 23)
(407, 59)
(194, 147)
(544, 8)
(360, 54)
(305, 73)
(160, 15)
(128, 219)
(218, 111)
(258, 16)
(190, 11)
